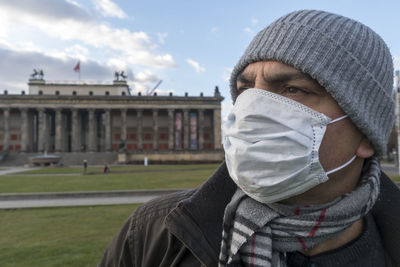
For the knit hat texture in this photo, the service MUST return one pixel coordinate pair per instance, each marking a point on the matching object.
(347, 58)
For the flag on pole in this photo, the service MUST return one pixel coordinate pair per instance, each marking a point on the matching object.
(78, 69)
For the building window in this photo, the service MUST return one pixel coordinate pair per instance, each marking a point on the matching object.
(57, 92)
(90, 93)
(74, 93)
(107, 93)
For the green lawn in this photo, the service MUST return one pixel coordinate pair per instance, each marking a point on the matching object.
(75, 236)
(395, 178)
(120, 178)
(121, 168)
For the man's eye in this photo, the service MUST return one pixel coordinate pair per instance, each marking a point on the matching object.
(242, 88)
(295, 90)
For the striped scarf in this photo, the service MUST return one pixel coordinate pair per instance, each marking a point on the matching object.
(256, 234)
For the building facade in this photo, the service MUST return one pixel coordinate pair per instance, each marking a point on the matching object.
(81, 118)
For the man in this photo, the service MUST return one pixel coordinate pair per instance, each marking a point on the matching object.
(301, 184)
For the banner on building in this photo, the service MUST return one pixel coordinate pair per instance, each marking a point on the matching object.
(178, 130)
(193, 130)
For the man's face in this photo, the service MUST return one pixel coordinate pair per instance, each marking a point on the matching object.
(341, 140)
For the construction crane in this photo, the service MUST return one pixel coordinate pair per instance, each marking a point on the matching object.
(155, 87)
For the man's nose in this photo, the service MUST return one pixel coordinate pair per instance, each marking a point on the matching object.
(262, 85)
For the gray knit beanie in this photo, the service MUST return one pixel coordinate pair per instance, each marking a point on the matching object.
(346, 57)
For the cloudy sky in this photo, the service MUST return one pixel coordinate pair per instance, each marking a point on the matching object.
(190, 45)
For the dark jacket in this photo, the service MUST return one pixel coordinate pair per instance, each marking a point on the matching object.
(185, 228)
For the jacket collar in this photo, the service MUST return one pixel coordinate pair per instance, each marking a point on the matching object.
(197, 221)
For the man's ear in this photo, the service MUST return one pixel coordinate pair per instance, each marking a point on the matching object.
(365, 149)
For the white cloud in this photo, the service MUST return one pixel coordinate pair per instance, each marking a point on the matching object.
(54, 10)
(77, 51)
(136, 46)
(25, 46)
(73, 34)
(146, 76)
(254, 21)
(248, 30)
(161, 37)
(145, 81)
(215, 29)
(117, 63)
(54, 67)
(195, 65)
(109, 9)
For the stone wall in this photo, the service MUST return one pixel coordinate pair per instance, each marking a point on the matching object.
(177, 157)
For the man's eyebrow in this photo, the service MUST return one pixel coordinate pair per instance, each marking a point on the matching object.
(287, 77)
(245, 77)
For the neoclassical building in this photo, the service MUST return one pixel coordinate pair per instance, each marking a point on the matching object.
(83, 121)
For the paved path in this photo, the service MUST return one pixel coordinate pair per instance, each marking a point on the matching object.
(390, 169)
(10, 170)
(40, 200)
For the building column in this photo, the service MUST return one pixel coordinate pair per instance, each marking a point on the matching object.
(185, 129)
(139, 114)
(42, 125)
(217, 128)
(24, 129)
(59, 132)
(75, 131)
(108, 130)
(155, 129)
(201, 129)
(123, 128)
(171, 129)
(92, 131)
(6, 127)
(47, 144)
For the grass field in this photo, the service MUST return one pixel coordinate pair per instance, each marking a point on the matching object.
(75, 236)
(120, 178)
(122, 168)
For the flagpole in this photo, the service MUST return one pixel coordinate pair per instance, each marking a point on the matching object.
(78, 69)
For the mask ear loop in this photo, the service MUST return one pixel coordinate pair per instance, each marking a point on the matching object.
(341, 167)
(338, 119)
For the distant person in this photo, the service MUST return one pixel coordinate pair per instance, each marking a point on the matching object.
(301, 184)
(85, 165)
(106, 169)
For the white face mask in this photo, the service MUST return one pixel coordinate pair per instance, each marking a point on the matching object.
(271, 146)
